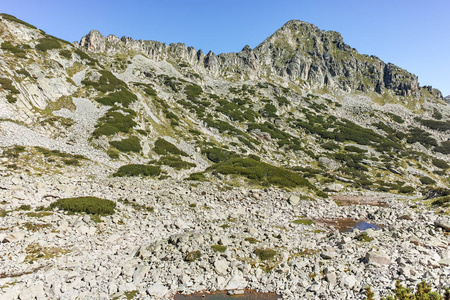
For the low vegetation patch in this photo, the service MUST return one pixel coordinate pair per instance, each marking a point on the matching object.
(114, 122)
(131, 144)
(265, 254)
(219, 248)
(137, 170)
(46, 44)
(261, 172)
(163, 147)
(89, 205)
(175, 162)
(35, 251)
(303, 222)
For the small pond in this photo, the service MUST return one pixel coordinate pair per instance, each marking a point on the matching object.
(347, 224)
(222, 295)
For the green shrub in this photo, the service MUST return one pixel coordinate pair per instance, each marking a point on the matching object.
(442, 201)
(436, 125)
(25, 207)
(193, 91)
(251, 240)
(124, 96)
(418, 135)
(261, 172)
(423, 292)
(114, 122)
(66, 53)
(219, 248)
(270, 110)
(330, 146)
(406, 189)
(89, 205)
(199, 176)
(137, 170)
(7, 85)
(427, 180)
(444, 148)
(440, 163)
(265, 254)
(218, 155)
(84, 56)
(46, 44)
(396, 118)
(18, 51)
(113, 153)
(71, 162)
(355, 149)
(131, 144)
(163, 147)
(176, 162)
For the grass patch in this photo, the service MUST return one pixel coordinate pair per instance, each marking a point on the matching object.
(364, 237)
(265, 254)
(137, 170)
(251, 240)
(219, 248)
(39, 214)
(36, 227)
(163, 147)
(89, 205)
(35, 251)
(18, 51)
(303, 222)
(131, 144)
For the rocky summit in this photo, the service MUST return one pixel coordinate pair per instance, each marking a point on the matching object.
(133, 169)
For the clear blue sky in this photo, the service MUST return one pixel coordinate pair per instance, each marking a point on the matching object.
(413, 34)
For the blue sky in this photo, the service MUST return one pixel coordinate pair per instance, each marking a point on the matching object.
(412, 34)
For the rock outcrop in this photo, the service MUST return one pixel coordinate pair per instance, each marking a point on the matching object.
(297, 51)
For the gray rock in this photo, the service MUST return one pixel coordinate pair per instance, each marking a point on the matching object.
(348, 281)
(236, 283)
(377, 258)
(221, 266)
(157, 290)
(294, 199)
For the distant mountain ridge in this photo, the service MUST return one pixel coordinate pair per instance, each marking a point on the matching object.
(298, 51)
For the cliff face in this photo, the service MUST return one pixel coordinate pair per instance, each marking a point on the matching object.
(298, 52)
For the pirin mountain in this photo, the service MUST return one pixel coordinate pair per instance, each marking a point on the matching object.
(301, 114)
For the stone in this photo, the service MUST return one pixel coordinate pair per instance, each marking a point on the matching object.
(331, 278)
(444, 262)
(334, 187)
(221, 266)
(33, 292)
(157, 290)
(348, 281)
(294, 199)
(236, 283)
(225, 241)
(377, 258)
(443, 224)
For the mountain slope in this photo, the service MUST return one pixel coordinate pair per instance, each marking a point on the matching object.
(302, 101)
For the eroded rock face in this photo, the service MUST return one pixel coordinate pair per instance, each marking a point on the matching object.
(297, 51)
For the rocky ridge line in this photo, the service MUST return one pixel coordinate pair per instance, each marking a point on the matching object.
(297, 52)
